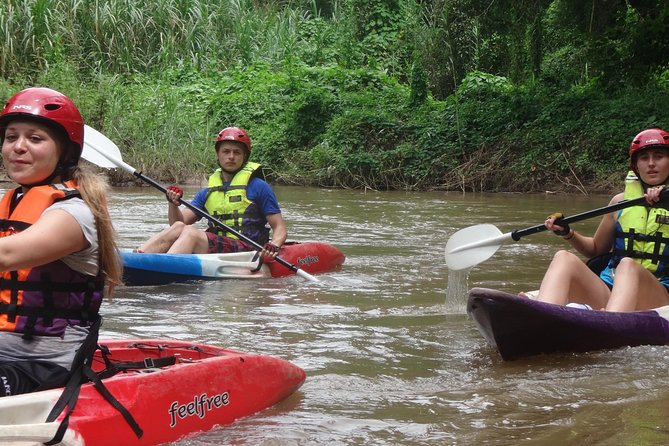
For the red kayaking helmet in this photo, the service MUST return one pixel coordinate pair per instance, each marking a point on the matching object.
(234, 134)
(50, 107)
(647, 139)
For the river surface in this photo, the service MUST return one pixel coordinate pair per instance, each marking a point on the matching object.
(390, 354)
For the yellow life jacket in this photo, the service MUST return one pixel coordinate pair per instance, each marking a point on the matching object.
(230, 204)
(45, 299)
(642, 232)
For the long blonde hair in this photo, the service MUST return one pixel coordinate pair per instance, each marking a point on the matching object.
(94, 190)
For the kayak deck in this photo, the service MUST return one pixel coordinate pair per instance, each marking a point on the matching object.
(519, 327)
(159, 269)
(208, 386)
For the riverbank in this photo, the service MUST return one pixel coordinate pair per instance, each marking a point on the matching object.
(324, 131)
(367, 136)
(120, 178)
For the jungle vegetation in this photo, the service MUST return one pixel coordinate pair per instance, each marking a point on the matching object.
(472, 95)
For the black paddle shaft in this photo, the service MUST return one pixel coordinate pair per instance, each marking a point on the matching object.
(518, 233)
(215, 221)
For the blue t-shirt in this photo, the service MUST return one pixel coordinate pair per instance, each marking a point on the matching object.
(258, 191)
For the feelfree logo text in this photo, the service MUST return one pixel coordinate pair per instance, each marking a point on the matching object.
(200, 406)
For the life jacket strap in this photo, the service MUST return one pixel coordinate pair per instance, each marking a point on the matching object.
(13, 225)
(658, 240)
(82, 372)
(30, 312)
(58, 287)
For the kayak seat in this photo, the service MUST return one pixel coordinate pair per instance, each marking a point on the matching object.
(598, 263)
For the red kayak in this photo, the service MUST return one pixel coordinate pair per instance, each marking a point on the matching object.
(159, 269)
(207, 386)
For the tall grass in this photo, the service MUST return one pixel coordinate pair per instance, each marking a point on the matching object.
(126, 36)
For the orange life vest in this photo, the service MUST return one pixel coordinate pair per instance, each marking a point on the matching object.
(45, 299)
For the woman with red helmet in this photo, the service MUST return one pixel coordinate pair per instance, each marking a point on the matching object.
(636, 238)
(236, 195)
(57, 247)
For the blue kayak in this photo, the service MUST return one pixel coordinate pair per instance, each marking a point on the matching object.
(159, 269)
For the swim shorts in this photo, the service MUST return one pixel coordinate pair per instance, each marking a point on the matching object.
(219, 244)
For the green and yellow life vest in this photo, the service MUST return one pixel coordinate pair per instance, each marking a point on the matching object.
(230, 204)
(642, 232)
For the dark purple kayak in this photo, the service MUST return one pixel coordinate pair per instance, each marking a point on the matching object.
(518, 327)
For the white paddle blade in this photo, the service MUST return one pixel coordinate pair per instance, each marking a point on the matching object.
(470, 246)
(306, 275)
(96, 145)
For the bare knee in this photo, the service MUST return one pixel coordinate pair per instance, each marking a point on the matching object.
(190, 231)
(191, 240)
(627, 265)
(564, 257)
(177, 227)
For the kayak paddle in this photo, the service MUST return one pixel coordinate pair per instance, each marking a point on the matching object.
(100, 150)
(470, 246)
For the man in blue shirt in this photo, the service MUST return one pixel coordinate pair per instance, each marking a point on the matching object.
(236, 195)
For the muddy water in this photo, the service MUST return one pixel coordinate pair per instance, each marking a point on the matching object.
(390, 354)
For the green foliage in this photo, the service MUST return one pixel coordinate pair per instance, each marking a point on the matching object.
(419, 90)
(376, 25)
(309, 115)
(661, 79)
(479, 84)
(406, 94)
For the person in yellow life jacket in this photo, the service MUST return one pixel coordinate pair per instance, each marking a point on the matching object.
(236, 196)
(57, 244)
(637, 238)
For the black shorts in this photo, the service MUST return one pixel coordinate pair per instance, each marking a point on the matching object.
(29, 376)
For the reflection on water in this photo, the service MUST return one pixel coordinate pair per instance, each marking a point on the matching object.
(390, 355)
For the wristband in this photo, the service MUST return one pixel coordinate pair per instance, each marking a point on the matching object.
(571, 235)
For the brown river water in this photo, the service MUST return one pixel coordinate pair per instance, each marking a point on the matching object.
(390, 354)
